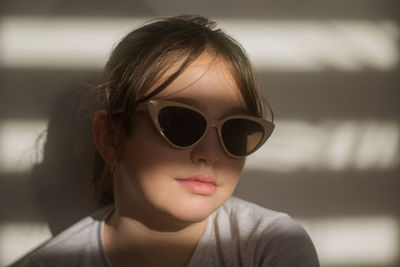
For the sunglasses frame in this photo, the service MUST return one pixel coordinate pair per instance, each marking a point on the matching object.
(154, 107)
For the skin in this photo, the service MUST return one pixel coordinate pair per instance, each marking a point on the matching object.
(155, 214)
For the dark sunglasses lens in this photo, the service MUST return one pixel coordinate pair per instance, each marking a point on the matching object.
(182, 126)
(241, 136)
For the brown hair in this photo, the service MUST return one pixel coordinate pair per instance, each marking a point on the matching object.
(140, 60)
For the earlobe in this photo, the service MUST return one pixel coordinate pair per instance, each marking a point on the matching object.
(104, 135)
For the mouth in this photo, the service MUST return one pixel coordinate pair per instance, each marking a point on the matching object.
(199, 184)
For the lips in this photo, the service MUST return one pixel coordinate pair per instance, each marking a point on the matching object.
(199, 184)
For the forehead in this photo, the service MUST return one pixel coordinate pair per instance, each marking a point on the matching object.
(207, 82)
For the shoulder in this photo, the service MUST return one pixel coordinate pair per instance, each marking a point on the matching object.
(245, 214)
(263, 237)
(74, 246)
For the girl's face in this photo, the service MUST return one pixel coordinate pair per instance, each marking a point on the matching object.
(154, 181)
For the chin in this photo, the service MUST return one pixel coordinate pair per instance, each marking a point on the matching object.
(196, 210)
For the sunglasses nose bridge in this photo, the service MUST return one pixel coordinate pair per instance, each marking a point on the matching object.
(214, 124)
(217, 125)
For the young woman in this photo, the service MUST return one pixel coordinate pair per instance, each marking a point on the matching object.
(178, 114)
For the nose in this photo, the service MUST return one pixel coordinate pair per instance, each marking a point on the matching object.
(209, 150)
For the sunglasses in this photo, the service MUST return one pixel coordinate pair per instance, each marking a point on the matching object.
(183, 126)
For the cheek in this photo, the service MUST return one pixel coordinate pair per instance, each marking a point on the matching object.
(147, 156)
(144, 150)
(230, 173)
(235, 167)
(145, 161)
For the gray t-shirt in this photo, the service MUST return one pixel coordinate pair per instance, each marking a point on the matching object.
(238, 234)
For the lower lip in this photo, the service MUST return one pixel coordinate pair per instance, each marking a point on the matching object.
(199, 187)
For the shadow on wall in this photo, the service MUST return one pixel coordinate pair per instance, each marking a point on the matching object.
(61, 182)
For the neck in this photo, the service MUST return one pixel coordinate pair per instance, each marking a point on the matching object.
(128, 241)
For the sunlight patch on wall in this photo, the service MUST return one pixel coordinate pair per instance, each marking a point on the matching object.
(319, 45)
(16, 239)
(67, 42)
(355, 241)
(21, 144)
(275, 45)
(329, 145)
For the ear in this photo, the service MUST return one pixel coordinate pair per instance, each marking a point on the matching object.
(105, 135)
